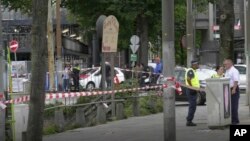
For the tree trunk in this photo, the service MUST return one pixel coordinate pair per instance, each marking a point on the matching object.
(226, 13)
(51, 60)
(38, 57)
(142, 25)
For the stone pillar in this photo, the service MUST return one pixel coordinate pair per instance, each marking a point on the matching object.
(119, 110)
(59, 119)
(101, 114)
(136, 106)
(80, 117)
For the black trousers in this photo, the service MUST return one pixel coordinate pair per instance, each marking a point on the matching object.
(235, 105)
(76, 83)
(192, 96)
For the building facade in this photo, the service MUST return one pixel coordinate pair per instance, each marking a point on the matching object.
(17, 26)
(207, 23)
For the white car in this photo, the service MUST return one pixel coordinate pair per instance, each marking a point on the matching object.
(91, 78)
(242, 70)
(204, 74)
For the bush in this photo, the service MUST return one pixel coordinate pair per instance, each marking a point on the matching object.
(148, 105)
(50, 129)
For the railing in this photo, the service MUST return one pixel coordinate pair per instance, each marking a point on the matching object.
(96, 111)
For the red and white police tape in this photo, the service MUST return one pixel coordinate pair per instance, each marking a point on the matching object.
(2, 105)
(50, 96)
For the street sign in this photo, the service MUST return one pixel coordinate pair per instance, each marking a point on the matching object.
(133, 57)
(134, 48)
(134, 40)
(110, 34)
(134, 43)
(13, 46)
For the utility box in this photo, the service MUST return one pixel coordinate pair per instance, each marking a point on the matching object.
(218, 96)
(21, 112)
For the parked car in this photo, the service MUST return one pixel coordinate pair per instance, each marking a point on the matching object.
(91, 78)
(242, 70)
(203, 74)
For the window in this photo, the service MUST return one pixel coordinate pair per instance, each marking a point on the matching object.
(241, 69)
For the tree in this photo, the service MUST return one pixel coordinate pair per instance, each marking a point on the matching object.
(39, 58)
(24, 5)
(226, 14)
(142, 14)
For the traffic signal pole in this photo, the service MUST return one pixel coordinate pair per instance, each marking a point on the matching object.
(168, 58)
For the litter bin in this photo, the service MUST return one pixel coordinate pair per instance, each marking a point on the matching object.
(218, 97)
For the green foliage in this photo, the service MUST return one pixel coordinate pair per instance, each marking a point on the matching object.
(50, 129)
(23, 5)
(85, 99)
(68, 112)
(201, 5)
(180, 31)
(147, 105)
(51, 112)
(125, 11)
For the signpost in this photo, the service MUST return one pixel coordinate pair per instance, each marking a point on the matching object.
(109, 45)
(133, 57)
(13, 47)
(134, 40)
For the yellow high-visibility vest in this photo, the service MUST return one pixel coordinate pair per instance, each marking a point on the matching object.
(217, 75)
(194, 81)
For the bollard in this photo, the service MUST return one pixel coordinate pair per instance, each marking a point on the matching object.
(136, 106)
(119, 110)
(101, 114)
(152, 103)
(24, 136)
(59, 119)
(80, 117)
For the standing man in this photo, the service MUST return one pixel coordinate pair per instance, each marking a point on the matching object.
(192, 80)
(65, 77)
(233, 74)
(158, 68)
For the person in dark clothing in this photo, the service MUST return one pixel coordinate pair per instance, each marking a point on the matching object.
(108, 74)
(234, 75)
(127, 72)
(145, 76)
(192, 80)
(76, 72)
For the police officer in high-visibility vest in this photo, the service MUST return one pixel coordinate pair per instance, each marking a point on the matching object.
(192, 80)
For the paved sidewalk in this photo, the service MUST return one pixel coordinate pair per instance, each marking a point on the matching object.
(150, 128)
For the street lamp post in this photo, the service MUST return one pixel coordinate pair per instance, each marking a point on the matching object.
(168, 57)
(2, 66)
